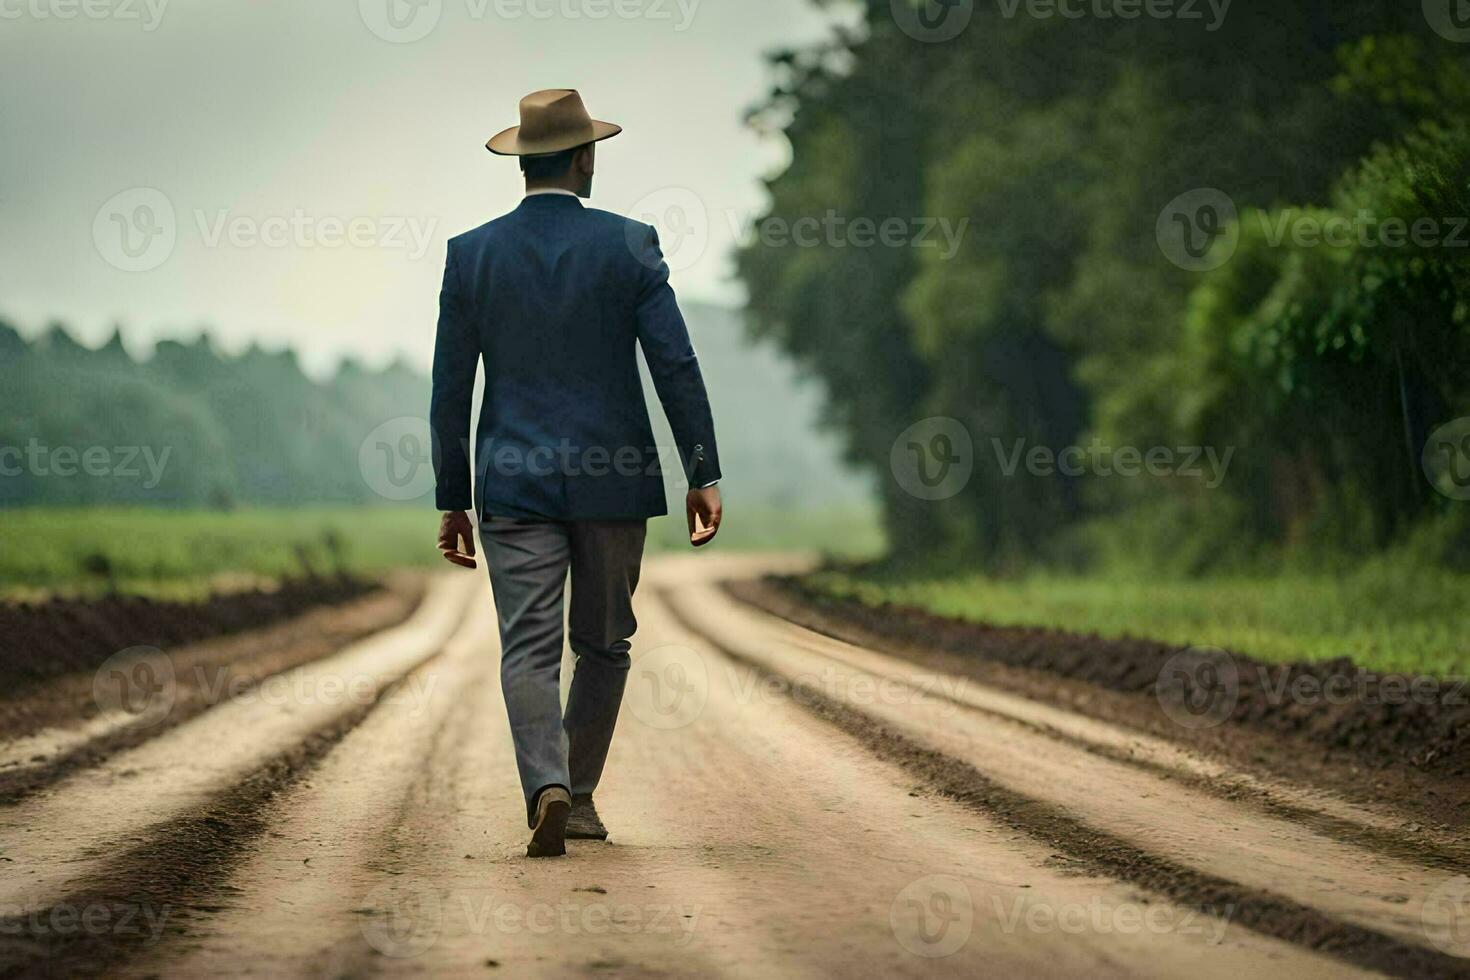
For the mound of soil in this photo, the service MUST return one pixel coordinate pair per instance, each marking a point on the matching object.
(41, 641)
(1380, 719)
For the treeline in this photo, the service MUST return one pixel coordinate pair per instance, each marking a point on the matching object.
(186, 426)
(1250, 238)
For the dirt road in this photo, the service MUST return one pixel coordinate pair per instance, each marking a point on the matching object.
(781, 803)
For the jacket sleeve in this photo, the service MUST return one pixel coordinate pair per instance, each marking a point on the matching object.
(674, 366)
(456, 354)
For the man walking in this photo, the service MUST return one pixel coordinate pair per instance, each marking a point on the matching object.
(553, 298)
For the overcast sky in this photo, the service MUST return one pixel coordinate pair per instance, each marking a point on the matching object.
(289, 172)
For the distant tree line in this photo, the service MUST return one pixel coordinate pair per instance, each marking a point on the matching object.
(186, 426)
(1324, 349)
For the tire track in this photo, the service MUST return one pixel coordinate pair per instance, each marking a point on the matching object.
(58, 841)
(1094, 849)
(239, 664)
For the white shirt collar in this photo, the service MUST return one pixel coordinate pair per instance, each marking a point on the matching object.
(550, 190)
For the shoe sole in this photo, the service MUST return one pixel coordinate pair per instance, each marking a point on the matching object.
(549, 838)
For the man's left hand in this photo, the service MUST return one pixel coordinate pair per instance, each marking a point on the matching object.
(455, 527)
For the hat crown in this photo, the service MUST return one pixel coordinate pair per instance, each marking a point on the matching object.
(553, 116)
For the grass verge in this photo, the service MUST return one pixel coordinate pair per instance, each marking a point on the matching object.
(1382, 618)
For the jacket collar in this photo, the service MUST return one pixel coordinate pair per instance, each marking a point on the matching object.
(550, 201)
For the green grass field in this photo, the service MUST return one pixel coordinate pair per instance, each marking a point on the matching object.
(189, 553)
(1381, 618)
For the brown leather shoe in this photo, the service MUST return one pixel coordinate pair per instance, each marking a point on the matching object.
(549, 833)
(584, 824)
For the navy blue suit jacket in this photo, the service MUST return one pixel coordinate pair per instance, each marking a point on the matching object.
(553, 298)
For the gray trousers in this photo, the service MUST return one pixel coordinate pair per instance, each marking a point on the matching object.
(528, 562)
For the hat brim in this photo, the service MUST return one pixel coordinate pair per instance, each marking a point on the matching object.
(508, 142)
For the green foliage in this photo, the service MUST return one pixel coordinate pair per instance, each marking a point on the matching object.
(1060, 141)
(154, 551)
(189, 426)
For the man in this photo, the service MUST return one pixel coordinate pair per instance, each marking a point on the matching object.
(553, 298)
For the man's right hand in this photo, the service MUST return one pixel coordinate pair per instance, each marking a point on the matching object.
(455, 527)
(704, 512)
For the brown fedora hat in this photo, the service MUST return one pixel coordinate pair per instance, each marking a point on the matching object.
(552, 120)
